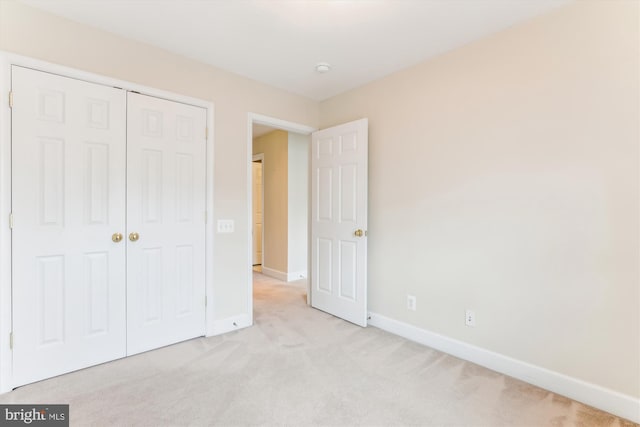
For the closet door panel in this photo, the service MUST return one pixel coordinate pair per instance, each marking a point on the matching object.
(166, 147)
(68, 199)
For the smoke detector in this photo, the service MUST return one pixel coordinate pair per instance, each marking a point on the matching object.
(323, 67)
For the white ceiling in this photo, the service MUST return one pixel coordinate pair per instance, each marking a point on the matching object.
(259, 130)
(278, 42)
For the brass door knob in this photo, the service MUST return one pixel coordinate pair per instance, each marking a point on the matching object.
(134, 237)
(359, 233)
(116, 237)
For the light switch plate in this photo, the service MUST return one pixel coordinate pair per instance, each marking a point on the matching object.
(226, 226)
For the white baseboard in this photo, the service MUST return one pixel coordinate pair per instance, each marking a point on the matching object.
(281, 275)
(599, 397)
(276, 274)
(222, 326)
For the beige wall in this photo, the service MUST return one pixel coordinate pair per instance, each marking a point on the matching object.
(274, 146)
(28, 31)
(298, 203)
(504, 178)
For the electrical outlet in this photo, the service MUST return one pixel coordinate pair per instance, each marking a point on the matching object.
(226, 226)
(411, 302)
(470, 318)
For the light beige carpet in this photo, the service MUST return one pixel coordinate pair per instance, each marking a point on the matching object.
(298, 366)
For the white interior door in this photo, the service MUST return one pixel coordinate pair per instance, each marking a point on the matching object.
(166, 145)
(339, 221)
(68, 200)
(257, 212)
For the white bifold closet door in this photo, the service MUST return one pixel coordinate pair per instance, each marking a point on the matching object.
(166, 146)
(108, 243)
(68, 199)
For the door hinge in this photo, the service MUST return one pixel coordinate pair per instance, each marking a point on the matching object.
(11, 99)
(11, 220)
(206, 132)
(205, 217)
(205, 300)
(11, 340)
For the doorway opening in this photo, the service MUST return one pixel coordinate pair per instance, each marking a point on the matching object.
(280, 175)
(278, 168)
(336, 214)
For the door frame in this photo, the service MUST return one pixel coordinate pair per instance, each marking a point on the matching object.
(6, 61)
(259, 158)
(260, 119)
